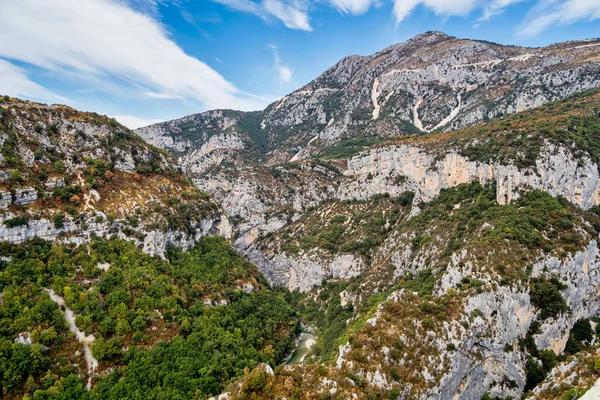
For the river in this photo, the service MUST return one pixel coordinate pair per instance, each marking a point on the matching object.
(307, 340)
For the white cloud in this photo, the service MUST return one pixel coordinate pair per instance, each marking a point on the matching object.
(355, 7)
(293, 14)
(133, 122)
(402, 8)
(151, 7)
(496, 7)
(545, 14)
(166, 96)
(103, 41)
(14, 82)
(551, 13)
(284, 72)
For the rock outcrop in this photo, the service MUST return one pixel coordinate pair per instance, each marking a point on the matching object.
(556, 171)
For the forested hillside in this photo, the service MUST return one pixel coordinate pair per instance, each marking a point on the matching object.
(177, 328)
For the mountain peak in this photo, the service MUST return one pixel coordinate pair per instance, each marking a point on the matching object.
(427, 38)
(431, 35)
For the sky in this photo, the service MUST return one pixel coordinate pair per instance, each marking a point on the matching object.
(145, 61)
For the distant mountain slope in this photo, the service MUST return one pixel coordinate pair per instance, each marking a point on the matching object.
(70, 175)
(431, 82)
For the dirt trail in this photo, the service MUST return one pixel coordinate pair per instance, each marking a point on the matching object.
(374, 95)
(92, 363)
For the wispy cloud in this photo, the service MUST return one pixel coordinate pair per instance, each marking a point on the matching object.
(402, 8)
(496, 7)
(354, 7)
(284, 72)
(103, 42)
(150, 7)
(293, 14)
(14, 82)
(551, 13)
(133, 122)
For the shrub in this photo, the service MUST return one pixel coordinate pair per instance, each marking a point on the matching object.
(59, 221)
(106, 349)
(428, 323)
(545, 295)
(257, 380)
(573, 346)
(582, 330)
(535, 374)
(406, 199)
(16, 221)
(419, 240)
(14, 175)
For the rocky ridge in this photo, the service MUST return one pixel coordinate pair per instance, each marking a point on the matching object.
(428, 83)
(70, 176)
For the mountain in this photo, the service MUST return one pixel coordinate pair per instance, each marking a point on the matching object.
(242, 159)
(422, 222)
(111, 261)
(451, 265)
(71, 176)
(437, 204)
(428, 83)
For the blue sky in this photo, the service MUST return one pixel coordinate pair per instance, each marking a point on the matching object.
(143, 61)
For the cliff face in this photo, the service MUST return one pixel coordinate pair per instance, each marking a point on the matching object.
(461, 231)
(432, 82)
(485, 357)
(556, 171)
(424, 166)
(69, 176)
